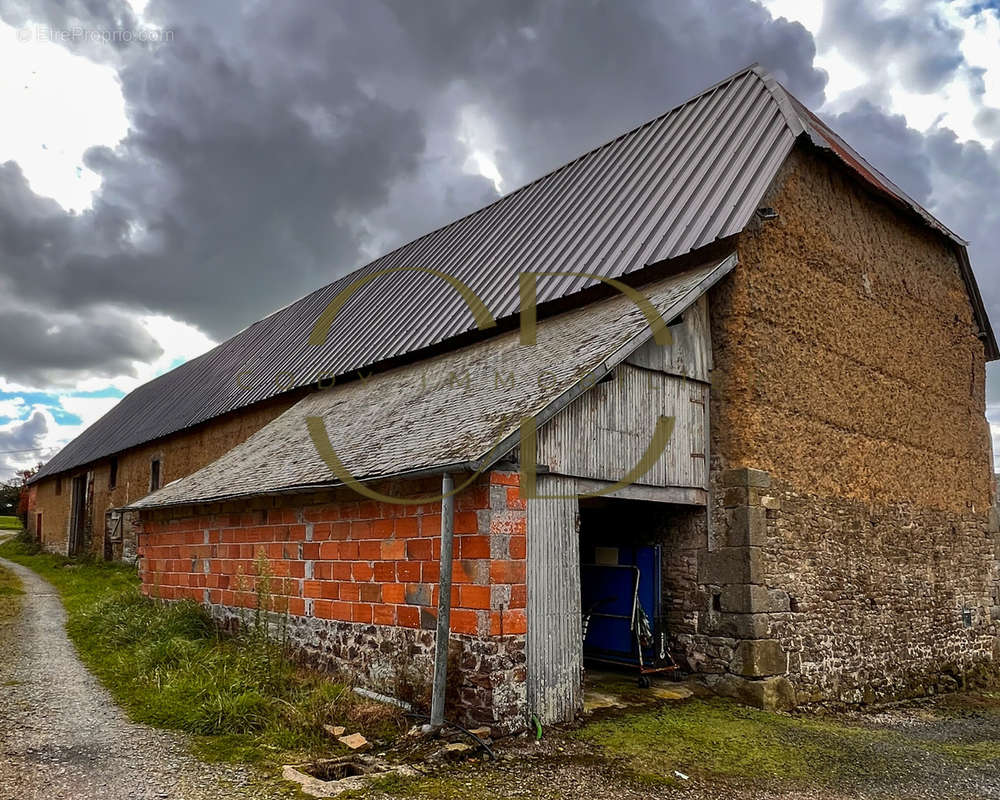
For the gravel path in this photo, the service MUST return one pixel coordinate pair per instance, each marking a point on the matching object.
(62, 736)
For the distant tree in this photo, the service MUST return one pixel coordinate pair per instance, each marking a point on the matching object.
(10, 497)
(14, 494)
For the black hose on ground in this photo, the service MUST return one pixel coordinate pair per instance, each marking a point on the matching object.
(458, 727)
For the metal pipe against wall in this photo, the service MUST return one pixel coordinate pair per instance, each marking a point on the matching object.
(444, 601)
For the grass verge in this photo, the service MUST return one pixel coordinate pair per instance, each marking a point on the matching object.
(166, 665)
(10, 524)
(10, 595)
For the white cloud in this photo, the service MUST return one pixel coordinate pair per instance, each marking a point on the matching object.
(63, 104)
(13, 407)
(479, 135)
(807, 12)
(88, 409)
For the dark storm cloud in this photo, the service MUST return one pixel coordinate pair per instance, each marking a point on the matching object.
(987, 122)
(91, 28)
(273, 147)
(53, 350)
(560, 78)
(21, 444)
(890, 144)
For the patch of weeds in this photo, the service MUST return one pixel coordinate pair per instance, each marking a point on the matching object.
(167, 664)
(10, 595)
(10, 585)
(29, 545)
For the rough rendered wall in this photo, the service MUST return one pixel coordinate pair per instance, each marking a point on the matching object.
(359, 581)
(180, 455)
(849, 372)
(861, 375)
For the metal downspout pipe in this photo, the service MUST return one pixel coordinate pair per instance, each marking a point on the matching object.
(444, 601)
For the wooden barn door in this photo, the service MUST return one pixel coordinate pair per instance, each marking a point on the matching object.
(78, 515)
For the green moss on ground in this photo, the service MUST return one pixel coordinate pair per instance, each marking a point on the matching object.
(720, 739)
(976, 753)
(717, 739)
(167, 666)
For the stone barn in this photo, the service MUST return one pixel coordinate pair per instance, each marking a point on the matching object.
(710, 397)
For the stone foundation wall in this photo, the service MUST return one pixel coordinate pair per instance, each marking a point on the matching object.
(486, 681)
(872, 603)
(800, 599)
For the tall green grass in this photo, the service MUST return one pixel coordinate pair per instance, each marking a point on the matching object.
(10, 596)
(167, 665)
(10, 524)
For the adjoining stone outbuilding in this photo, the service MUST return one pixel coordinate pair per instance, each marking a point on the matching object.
(822, 511)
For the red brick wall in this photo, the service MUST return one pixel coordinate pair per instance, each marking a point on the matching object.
(340, 556)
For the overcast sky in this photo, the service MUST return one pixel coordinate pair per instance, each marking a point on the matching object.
(171, 171)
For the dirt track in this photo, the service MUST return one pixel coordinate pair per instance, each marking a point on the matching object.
(61, 735)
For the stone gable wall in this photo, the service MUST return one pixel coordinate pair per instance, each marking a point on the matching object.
(853, 552)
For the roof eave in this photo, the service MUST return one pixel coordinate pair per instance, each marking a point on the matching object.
(498, 452)
(986, 332)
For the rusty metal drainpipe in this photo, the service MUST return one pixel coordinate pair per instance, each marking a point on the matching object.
(444, 601)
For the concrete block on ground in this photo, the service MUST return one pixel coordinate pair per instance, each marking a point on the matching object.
(769, 694)
(759, 658)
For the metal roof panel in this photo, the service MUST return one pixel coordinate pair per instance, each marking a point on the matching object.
(676, 184)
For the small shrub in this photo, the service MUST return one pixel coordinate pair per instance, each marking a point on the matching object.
(29, 544)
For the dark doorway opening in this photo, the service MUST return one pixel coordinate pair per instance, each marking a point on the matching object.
(78, 515)
(622, 587)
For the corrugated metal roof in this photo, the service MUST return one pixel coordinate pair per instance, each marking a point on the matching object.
(463, 407)
(680, 182)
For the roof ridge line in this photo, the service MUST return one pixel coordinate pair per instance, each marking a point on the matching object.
(781, 96)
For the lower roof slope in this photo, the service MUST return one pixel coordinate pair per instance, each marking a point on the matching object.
(678, 183)
(462, 409)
